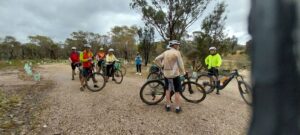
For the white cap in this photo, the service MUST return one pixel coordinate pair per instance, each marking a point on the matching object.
(212, 48)
(87, 45)
(73, 48)
(111, 50)
(174, 42)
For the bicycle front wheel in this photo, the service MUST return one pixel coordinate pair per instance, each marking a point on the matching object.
(152, 95)
(95, 82)
(118, 76)
(246, 92)
(193, 92)
(207, 82)
(124, 70)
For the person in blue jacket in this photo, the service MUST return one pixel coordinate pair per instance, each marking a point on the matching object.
(138, 63)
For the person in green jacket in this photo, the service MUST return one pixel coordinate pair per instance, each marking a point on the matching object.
(213, 62)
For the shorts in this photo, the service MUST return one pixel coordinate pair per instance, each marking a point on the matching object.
(213, 71)
(86, 72)
(74, 65)
(100, 62)
(173, 83)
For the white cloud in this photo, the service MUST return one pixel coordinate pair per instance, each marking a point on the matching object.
(59, 18)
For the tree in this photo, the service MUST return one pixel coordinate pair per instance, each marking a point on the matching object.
(146, 36)
(212, 34)
(124, 40)
(170, 18)
(47, 46)
(11, 47)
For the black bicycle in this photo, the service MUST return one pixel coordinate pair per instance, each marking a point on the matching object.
(155, 73)
(118, 75)
(153, 91)
(210, 82)
(95, 81)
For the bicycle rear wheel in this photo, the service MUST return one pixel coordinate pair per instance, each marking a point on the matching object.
(153, 76)
(118, 75)
(246, 92)
(207, 82)
(193, 92)
(95, 82)
(124, 70)
(152, 95)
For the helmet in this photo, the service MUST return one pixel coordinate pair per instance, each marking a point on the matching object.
(73, 48)
(111, 50)
(87, 46)
(212, 48)
(101, 49)
(174, 42)
(168, 47)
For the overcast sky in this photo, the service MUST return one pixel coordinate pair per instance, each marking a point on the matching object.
(59, 18)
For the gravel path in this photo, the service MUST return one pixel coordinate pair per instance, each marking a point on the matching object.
(117, 109)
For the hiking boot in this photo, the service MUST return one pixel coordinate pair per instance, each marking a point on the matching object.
(178, 110)
(168, 108)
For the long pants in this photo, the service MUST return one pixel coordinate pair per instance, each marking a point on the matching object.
(139, 68)
(110, 70)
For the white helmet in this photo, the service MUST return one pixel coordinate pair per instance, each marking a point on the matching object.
(87, 46)
(168, 47)
(111, 50)
(212, 48)
(174, 42)
(73, 48)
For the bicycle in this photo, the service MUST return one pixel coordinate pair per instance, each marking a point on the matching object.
(96, 77)
(155, 73)
(210, 82)
(118, 75)
(153, 91)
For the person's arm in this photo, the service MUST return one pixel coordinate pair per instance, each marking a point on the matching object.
(207, 60)
(158, 60)
(180, 64)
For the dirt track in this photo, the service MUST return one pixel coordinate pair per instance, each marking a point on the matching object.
(117, 109)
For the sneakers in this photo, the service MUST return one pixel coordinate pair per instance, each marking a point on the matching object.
(114, 79)
(96, 86)
(178, 110)
(168, 108)
(137, 73)
(140, 74)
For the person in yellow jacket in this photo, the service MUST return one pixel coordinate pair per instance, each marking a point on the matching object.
(110, 60)
(213, 62)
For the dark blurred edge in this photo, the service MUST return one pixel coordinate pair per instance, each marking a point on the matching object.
(276, 83)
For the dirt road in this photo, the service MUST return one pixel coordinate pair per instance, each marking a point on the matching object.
(117, 109)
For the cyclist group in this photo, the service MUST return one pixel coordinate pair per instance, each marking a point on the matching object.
(84, 62)
(171, 60)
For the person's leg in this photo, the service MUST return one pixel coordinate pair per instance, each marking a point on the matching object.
(73, 70)
(168, 101)
(113, 71)
(137, 68)
(140, 68)
(83, 78)
(178, 89)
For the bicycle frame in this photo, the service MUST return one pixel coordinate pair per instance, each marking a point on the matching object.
(233, 75)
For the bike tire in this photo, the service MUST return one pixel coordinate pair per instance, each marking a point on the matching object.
(153, 76)
(124, 70)
(118, 75)
(100, 80)
(207, 82)
(156, 92)
(194, 95)
(246, 92)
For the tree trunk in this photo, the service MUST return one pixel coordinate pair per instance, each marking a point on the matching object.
(276, 95)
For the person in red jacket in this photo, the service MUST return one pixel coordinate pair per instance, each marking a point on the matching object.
(74, 59)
